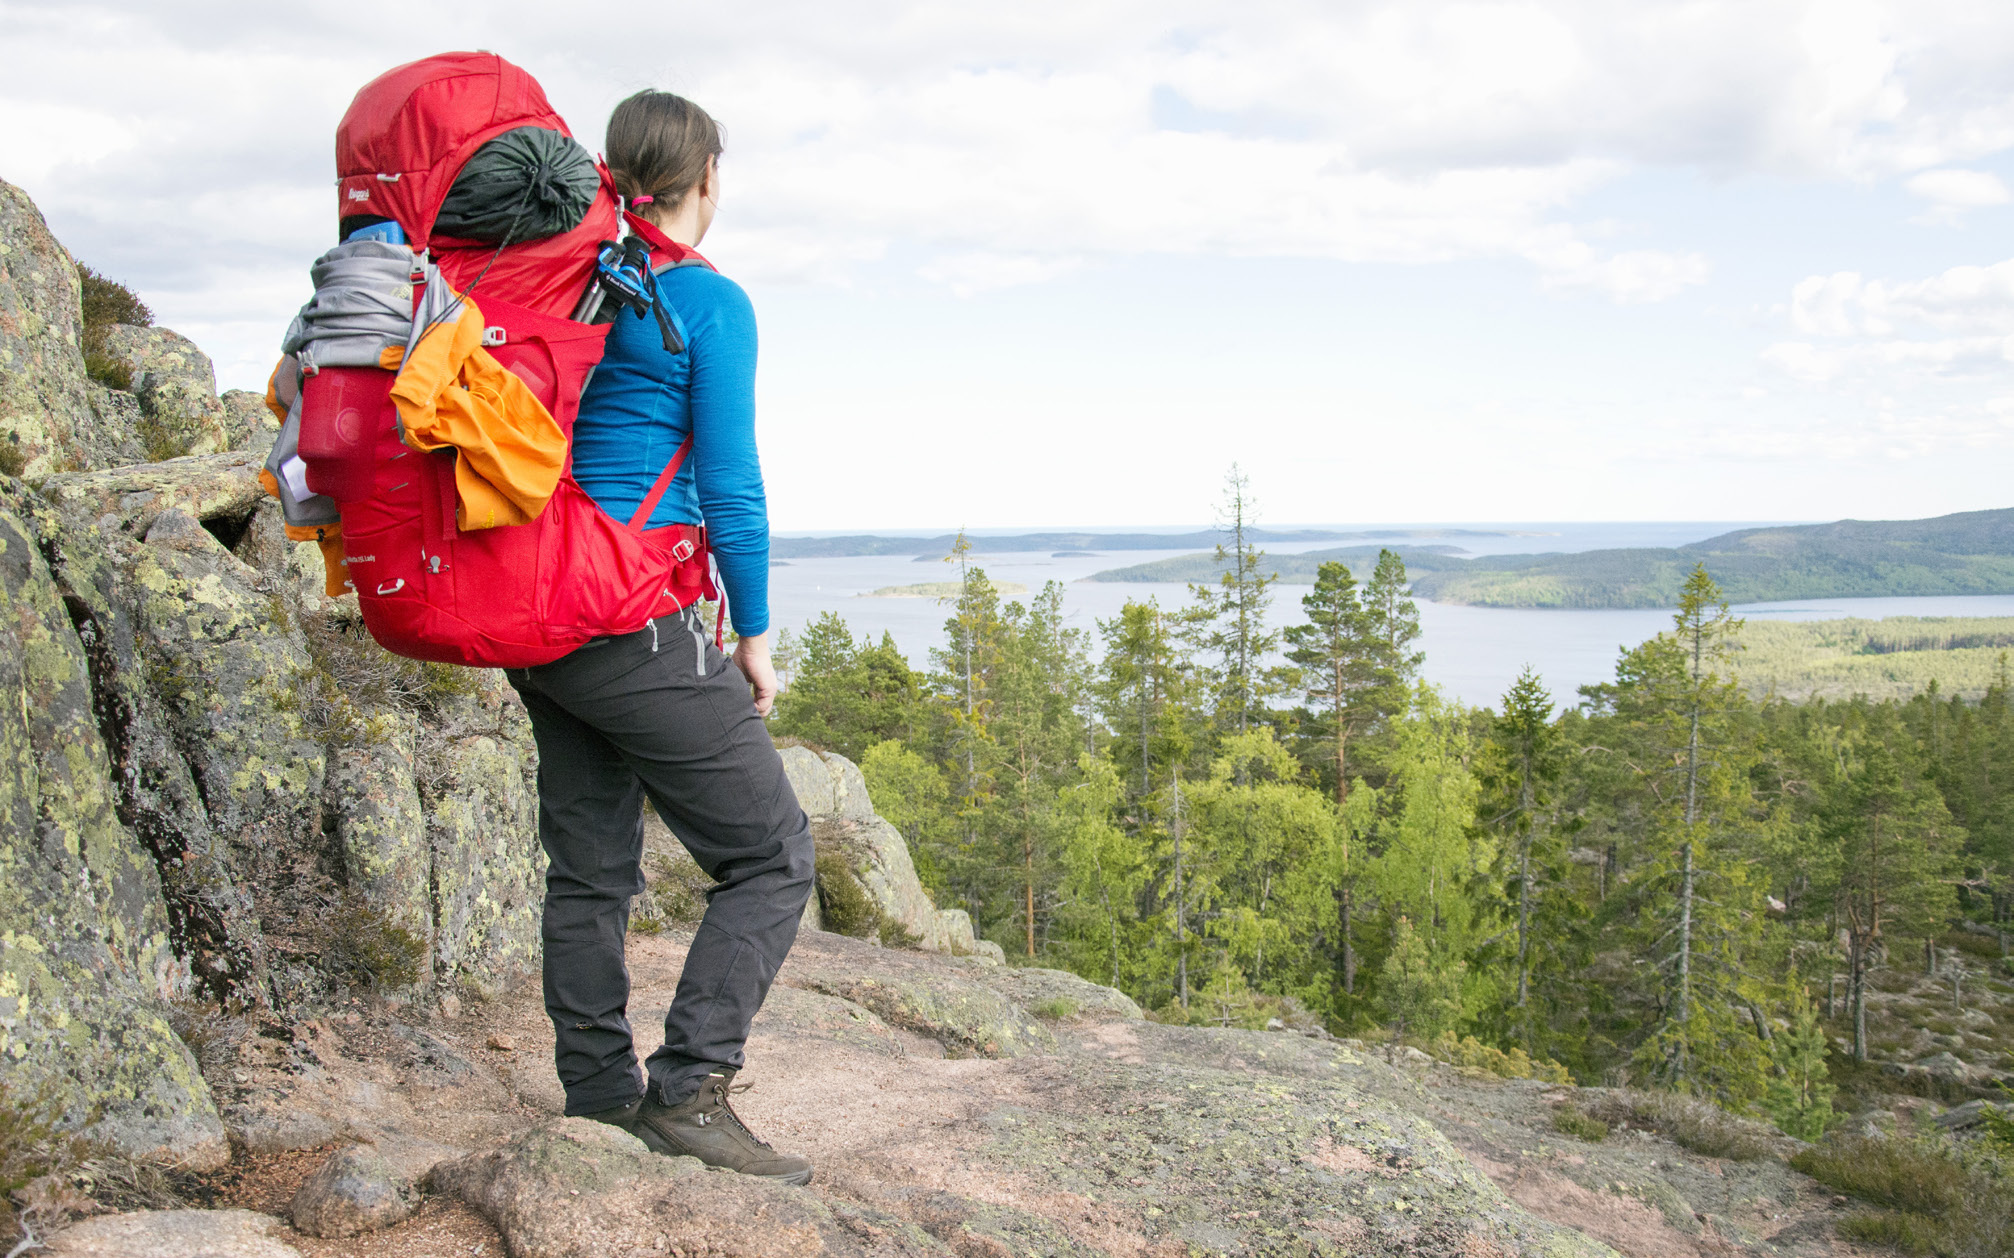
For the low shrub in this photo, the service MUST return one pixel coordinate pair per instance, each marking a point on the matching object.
(1570, 1121)
(1901, 1174)
(13, 459)
(893, 934)
(843, 903)
(105, 301)
(1055, 1009)
(211, 1034)
(1909, 1233)
(351, 677)
(367, 948)
(1976, 945)
(678, 888)
(1690, 1123)
(1936, 1203)
(1515, 1064)
(34, 1155)
(644, 916)
(161, 439)
(1225, 1000)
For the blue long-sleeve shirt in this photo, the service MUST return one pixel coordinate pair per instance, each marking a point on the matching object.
(642, 403)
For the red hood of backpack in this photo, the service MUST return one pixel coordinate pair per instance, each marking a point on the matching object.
(406, 137)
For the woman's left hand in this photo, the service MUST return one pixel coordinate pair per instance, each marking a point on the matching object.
(751, 656)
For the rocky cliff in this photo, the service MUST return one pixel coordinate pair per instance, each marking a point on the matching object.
(268, 920)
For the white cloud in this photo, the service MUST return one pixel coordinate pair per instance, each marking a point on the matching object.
(1952, 192)
(1912, 368)
(997, 145)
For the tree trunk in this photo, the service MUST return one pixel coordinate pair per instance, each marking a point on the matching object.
(1028, 871)
(1181, 931)
(1856, 995)
(1682, 1007)
(1523, 924)
(1349, 949)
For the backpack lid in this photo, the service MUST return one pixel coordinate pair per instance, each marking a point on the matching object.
(406, 138)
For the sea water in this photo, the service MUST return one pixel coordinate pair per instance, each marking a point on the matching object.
(1472, 652)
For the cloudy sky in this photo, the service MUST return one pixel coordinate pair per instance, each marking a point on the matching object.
(1063, 263)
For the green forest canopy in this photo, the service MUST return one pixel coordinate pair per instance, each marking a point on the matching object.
(1657, 880)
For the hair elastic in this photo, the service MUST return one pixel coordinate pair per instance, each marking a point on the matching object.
(636, 201)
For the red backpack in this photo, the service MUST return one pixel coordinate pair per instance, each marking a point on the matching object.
(517, 595)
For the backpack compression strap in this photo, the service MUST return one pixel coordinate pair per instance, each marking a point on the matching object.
(657, 491)
(649, 504)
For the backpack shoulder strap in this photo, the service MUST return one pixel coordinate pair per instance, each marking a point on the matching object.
(657, 491)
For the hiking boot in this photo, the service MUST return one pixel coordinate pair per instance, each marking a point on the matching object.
(623, 1116)
(706, 1127)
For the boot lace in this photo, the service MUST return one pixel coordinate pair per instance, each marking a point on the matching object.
(723, 1090)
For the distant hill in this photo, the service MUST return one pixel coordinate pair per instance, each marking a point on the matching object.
(1293, 569)
(1967, 553)
(935, 547)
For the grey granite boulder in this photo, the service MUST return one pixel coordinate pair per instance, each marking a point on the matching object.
(249, 424)
(834, 795)
(177, 390)
(581, 1189)
(366, 1187)
(1057, 993)
(174, 1234)
(968, 1018)
(48, 422)
(86, 961)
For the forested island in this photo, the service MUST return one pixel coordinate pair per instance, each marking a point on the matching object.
(1967, 553)
(1798, 910)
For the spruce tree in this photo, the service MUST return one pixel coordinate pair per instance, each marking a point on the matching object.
(1228, 620)
(1701, 910)
(1799, 1099)
(1521, 767)
(1144, 692)
(1888, 836)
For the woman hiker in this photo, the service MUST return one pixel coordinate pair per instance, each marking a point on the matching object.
(659, 714)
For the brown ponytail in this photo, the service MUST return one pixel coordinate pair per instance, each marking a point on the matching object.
(658, 146)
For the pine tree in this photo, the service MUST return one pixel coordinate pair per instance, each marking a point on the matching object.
(1392, 622)
(846, 695)
(1335, 655)
(1034, 739)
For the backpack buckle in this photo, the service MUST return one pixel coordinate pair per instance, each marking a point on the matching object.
(683, 550)
(495, 336)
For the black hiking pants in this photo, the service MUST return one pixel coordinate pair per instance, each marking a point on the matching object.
(658, 713)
